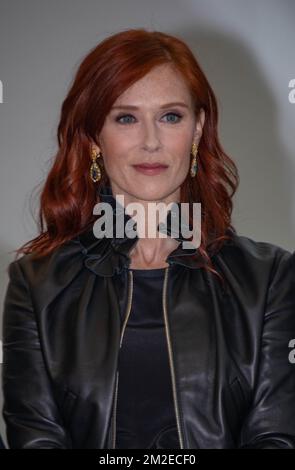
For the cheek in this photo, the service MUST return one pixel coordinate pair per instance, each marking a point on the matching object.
(118, 147)
(180, 156)
(179, 144)
(110, 141)
(117, 160)
(182, 167)
(112, 150)
(111, 162)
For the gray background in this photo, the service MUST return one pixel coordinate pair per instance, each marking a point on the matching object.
(246, 49)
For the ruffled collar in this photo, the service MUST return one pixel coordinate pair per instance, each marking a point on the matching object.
(107, 256)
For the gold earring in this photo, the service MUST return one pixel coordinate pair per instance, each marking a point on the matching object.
(95, 173)
(194, 167)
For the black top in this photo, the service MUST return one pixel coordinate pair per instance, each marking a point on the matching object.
(145, 417)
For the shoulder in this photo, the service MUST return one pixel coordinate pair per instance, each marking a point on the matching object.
(246, 248)
(249, 260)
(57, 267)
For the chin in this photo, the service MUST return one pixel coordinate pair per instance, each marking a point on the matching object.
(152, 195)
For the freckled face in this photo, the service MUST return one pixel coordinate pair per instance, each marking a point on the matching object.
(151, 133)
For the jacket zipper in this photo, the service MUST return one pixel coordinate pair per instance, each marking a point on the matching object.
(180, 436)
(129, 303)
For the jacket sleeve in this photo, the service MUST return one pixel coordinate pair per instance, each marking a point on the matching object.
(30, 412)
(270, 423)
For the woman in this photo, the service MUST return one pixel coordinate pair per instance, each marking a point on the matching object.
(132, 341)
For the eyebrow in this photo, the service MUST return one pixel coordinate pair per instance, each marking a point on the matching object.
(167, 105)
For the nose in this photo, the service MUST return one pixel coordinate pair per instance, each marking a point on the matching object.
(151, 141)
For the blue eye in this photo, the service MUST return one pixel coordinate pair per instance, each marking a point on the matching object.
(123, 116)
(174, 114)
(118, 118)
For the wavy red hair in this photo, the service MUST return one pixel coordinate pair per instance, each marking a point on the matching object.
(68, 196)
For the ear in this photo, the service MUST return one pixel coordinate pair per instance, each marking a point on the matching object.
(199, 125)
(94, 146)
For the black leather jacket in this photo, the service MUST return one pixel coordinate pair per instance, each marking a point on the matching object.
(233, 385)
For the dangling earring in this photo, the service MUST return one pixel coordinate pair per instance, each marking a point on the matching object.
(95, 173)
(194, 167)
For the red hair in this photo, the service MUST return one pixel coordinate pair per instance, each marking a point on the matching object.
(69, 195)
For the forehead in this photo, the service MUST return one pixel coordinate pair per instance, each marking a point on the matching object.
(162, 84)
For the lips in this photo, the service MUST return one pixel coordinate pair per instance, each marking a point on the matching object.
(150, 169)
(150, 165)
